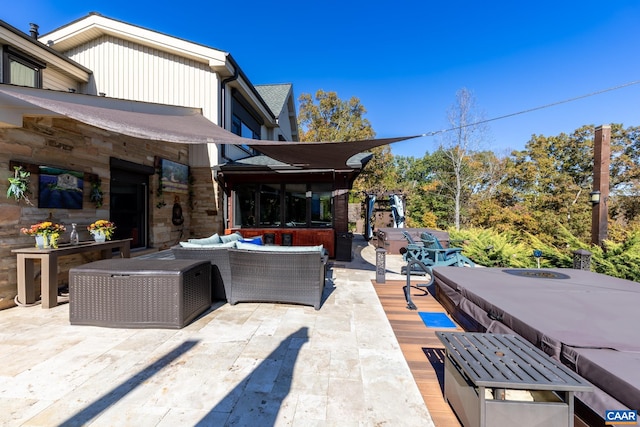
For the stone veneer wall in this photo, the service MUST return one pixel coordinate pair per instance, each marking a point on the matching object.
(69, 144)
(206, 215)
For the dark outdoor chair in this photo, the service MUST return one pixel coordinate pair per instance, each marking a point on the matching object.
(443, 256)
(423, 256)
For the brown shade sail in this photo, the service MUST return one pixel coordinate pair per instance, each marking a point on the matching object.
(155, 122)
(321, 155)
(158, 122)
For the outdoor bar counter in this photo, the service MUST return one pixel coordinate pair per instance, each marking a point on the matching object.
(49, 267)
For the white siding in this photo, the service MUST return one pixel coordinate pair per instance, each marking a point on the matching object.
(284, 124)
(55, 80)
(127, 70)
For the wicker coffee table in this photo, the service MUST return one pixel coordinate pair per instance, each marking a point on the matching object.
(139, 293)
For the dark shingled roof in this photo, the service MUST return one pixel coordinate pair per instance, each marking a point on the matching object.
(275, 96)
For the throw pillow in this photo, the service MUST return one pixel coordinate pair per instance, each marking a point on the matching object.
(212, 245)
(207, 240)
(231, 237)
(290, 249)
(257, 240)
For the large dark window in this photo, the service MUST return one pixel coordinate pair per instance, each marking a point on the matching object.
(283, 205)
(20, 69)
(295, 201)
(245, 206)
(321, 206)
(242, 129)
(245, 122)
(269, 206)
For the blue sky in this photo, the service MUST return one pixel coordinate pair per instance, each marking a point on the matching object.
(406, 59)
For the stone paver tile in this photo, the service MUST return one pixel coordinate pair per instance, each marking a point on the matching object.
(16, 411)
(191, 417)
(311, 408)
(347, 400)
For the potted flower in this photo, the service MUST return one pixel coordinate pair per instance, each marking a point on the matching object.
(46, 233)
(102, 230)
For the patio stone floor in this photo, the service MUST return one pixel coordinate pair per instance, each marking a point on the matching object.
(252, 364)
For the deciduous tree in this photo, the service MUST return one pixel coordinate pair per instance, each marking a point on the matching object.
(466, 135)
(326, 117)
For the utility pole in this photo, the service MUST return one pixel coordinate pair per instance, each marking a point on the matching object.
(600, 193)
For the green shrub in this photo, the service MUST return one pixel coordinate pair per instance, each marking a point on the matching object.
(492, 248)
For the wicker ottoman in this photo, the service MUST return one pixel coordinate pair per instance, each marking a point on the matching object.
(139, 293)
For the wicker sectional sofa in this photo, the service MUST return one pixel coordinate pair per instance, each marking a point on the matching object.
(288, 274)
(244, 272)
(220, 270)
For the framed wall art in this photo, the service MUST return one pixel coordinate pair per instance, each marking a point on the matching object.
(174, 176)
(60, 188)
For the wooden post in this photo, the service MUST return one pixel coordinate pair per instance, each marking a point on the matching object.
(601, 160)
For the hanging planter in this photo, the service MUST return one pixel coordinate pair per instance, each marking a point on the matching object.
(160, 190)
(191, 192)
(96, 195)
(19, 185)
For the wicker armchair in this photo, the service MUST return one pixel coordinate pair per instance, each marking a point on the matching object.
(220, 270)
(288, 277)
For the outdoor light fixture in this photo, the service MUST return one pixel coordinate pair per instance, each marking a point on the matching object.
(594, 197)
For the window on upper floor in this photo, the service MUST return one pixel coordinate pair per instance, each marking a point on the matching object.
(240, 128)
(20, 69)
(246, 123)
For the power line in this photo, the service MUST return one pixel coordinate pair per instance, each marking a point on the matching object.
(553, 104)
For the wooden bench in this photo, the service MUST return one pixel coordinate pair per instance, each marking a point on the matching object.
(482, 369)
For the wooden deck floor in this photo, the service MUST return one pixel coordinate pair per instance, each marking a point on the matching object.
(422, 349)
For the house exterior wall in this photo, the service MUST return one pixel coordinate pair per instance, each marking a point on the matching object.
(66, 143)
(54, 80)
(165, 71)
(136, 63)
(128, 70)
(285, 125)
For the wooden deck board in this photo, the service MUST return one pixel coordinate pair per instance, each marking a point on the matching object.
(422, 349)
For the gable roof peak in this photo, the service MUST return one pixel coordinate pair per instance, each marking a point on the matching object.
(275, 95)
(95, 25)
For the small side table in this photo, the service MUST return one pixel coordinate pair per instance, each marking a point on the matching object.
(49, 267)
(476, 362)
